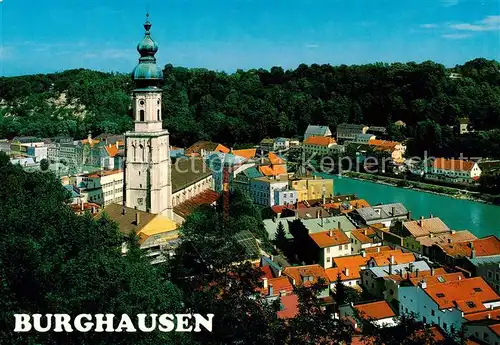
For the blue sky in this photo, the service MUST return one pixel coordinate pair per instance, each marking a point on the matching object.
(46, 36)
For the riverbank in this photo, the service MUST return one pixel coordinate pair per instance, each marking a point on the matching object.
(456, 193)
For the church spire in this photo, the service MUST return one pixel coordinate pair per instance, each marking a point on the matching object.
(146, 73)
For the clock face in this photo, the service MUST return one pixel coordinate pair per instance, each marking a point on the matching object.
(141, 102)
(140, 201)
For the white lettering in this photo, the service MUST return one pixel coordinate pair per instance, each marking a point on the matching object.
(183, 322)
(142, 322)
(37, 325)
(126, 323)
(166, 322)
(62, 321)
(78, 323)
(200, 320)
(22, 323)
(99, 318)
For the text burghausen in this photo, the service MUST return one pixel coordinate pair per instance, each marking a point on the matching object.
(110, 323)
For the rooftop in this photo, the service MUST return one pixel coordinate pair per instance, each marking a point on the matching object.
(306, 275)
(439, 277)
(279, 284)
(289, 306)
(375, 310)
(364, 235)
(382, 211)
(424, 227)
(385, 271)
(127, 221)
(450, 237)
(317, 130)
(246, 153)
(329, 238)
(468, 295)
(187, 171)
(102, 173)
(207, 146)
(485, 246)
(453, 164)
(317, 225)
(347, 206)
(319, 141)
(206, 197)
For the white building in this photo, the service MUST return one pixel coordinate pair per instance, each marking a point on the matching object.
(103, 188)
(363, 239)
(331, 244)
(263, 189)
(317, 131)
(448, 304)
(454, 170)
(147, 168)
(378, 313)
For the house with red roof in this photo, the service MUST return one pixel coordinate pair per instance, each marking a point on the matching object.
(457, 253)
(454, 170)
(330, 244)
(448, 303)
(308, 275)
(379, 313)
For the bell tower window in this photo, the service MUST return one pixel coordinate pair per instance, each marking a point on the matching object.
(141, 115)
(158, 113)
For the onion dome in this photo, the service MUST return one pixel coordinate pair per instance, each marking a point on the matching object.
(146, 73)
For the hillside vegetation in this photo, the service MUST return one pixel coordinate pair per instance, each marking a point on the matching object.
(246, 106)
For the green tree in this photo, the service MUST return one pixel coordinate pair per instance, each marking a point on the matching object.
(44, 165)
(53, 261)
(280, 237)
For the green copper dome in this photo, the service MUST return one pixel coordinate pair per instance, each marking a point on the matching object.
(146, 73)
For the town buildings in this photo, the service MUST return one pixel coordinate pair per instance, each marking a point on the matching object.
(317, 131)
(349, 132)
(454, 170)
(318, 146)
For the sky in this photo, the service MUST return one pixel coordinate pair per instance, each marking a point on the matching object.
(54, 35)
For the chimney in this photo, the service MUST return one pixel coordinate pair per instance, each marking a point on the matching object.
(392, 259)
(82, 206)
(431, 216)
(416, 272)
(393, 210)
(338, 225)
(363, 253)
(279, 273)
(322, 221)
(347, 272)
(318, 213)
(459, 277)
(432, 271)
(271, 289)
(449, 240)
(390, 268)
(264, 280)
(401, 273)
(409, 215)
(330, 233)
(366, 232)
(282, 293)
(378, 249)
(293, 282)
(94, 210)
(423, 284)
(116, 144)
(421, 217)
(137, 218)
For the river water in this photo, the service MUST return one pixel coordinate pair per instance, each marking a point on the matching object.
(480, 219)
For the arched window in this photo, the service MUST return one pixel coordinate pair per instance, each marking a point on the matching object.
(141, 115)
(158, 112)
(141, 152)
(134, 152)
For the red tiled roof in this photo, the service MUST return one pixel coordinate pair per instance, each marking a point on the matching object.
(104, 173)
(466, 294)
(300, 272)
(496, 329)
(86, 206)
(290, 305)
(487, 314)
(485, 246)
(267, 272)
(354, 203)
(320, 141)
(383, 144)
(377, 249)
(246, 153)
(424, 227)
(329, 238)
(206, 197)
(362, 235)
(375, 310)
(275, 159)
(399, 258)
(332, 273)
(440, 276)
(279, 284)
(112, 150)
(453, 164)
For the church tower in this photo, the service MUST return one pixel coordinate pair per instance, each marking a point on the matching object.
(147, 166)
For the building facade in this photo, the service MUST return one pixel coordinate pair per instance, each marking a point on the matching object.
(147, 168)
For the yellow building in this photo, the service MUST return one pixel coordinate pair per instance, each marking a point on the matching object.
(311, 188)
(156, 233)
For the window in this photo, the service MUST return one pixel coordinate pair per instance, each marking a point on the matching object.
(486, 336)
(328, 259)
(141, 115)
(432, 312)
(141, 102)
(497, 275)
(425, 319)
(445, 326)
(440, 295)
(328, 250)
(490, 274)
(158, 114)
(470, 304)
(477, 289)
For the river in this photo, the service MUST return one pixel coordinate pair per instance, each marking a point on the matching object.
(480, 219)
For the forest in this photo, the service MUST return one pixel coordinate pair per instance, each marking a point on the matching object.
(244, 107)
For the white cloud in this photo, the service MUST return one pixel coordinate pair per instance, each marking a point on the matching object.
(490, 23)
(456, 36)
(428, 26)
(312, 46)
